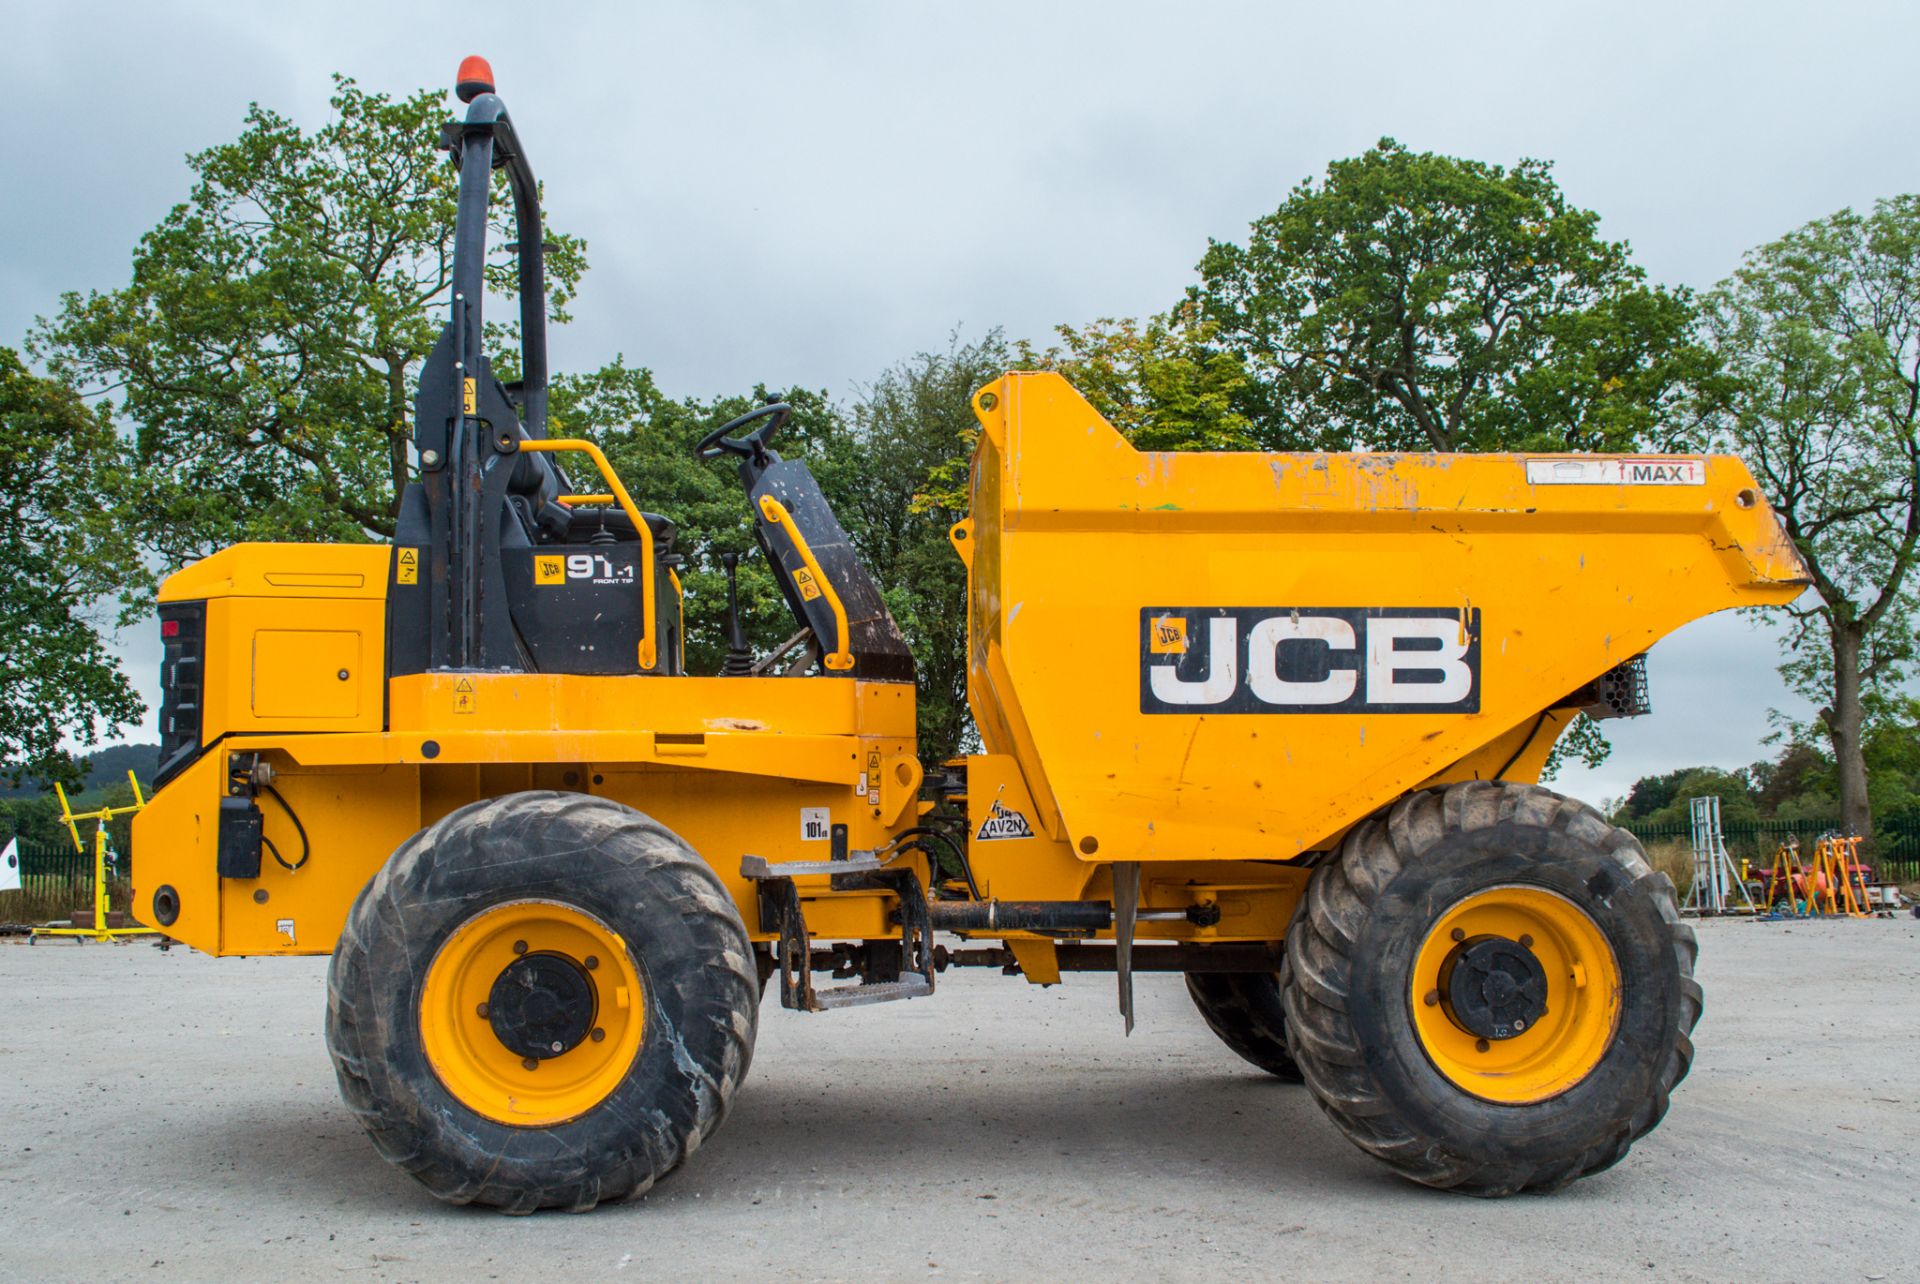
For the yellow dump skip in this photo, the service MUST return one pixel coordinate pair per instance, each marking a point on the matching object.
(1238, 655)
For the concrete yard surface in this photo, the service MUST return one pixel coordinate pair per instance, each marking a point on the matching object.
(171, 1116)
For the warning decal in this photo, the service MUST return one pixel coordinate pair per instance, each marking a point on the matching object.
(803, 580)
(463, 697)
(409, 567)
(1003, 822)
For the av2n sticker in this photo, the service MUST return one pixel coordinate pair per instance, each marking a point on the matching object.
(1003, 822)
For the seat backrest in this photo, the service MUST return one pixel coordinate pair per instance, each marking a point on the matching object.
(880, 653)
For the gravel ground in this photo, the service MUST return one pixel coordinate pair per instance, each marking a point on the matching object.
(169, 1115)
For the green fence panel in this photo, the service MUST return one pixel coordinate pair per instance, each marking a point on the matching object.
(1895, 855)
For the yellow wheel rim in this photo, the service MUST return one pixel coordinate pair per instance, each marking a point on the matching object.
(1562, 1044)
(530, 942)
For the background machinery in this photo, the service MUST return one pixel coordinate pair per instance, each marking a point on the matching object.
(1282, 743)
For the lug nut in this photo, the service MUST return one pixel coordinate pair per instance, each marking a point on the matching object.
(1526, 942)
(1432, 999)
(529, 1063)
(519, 947)
(557, 1047)
(592, 962)
(1519, 1023)
(1481, 1045)
(482, 1011)
(598, 1034)
(1457, 934)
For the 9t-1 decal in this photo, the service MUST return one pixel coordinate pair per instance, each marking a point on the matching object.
(1309, 659)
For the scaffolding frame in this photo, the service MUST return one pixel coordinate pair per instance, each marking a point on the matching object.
(1717, 885)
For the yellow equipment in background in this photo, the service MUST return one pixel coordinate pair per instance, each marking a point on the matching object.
(1270, 721)
(99, 931)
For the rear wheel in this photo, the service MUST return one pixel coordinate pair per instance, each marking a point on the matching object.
(1490, 990)
(543, 1000)
(1244, 1009)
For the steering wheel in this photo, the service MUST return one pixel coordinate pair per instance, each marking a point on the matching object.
(721, 440)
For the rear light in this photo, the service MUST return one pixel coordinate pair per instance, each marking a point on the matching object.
(183, 644)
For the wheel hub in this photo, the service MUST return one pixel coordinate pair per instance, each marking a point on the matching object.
(541, 1006)
(1493, 987)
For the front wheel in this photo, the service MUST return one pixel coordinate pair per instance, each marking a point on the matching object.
(1490, 989)
(543, 1000)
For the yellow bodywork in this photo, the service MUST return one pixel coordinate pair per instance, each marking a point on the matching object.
(1082, 552)
(727, 763)
(1075, 540)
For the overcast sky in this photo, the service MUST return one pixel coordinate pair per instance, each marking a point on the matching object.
(806, 193)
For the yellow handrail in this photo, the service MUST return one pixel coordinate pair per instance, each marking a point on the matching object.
(841, 659)
(648, 654)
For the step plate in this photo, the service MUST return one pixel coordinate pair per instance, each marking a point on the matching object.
(759, 867)
(855, 996)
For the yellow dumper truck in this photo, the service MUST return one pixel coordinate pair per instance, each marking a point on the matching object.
(1271, 721)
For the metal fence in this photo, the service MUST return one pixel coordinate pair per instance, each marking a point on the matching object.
(1894, 854)
(53, 880)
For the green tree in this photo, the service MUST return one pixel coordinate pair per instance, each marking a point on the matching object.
(1412, 301)
(913, 431)
(649, 440)
(1818, 335)
(1162, 383)
(878, 464)
(63, 549)
(1662, 800)
(268, 342)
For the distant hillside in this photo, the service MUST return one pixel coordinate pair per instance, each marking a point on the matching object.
(105, 767)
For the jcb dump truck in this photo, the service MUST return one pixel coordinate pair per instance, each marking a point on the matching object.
(1268, 720)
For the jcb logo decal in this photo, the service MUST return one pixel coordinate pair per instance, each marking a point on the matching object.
(1385, 659)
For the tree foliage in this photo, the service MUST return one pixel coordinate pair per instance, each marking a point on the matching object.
(1412, 301)
(882, 463)
(62, 550)
(1818, 335)
(913, 430)
(1800, 784)
(268, 342)
(1163, 383)
(649, 440)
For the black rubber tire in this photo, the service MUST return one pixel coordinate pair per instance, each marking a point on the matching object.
(1244, 1009)
(695, 964)
(1346, 977)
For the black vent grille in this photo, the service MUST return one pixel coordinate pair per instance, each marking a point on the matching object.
(183, 646)
(1620, 692)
